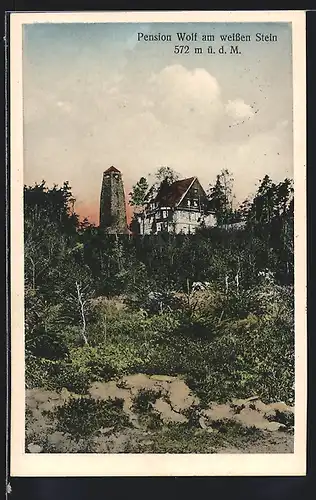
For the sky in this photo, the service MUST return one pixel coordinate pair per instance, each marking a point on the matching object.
(95, 96)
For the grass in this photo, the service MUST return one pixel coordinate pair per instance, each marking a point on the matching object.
(222, 359)
(239, 357)
(180, 438)
(84, 417)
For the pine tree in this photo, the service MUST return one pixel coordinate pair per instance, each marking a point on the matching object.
(138, 193)
(221, 197)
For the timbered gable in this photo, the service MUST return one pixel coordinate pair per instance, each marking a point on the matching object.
(179, 207)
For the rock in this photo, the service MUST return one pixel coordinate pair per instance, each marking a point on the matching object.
(253, 402)
(166, 413)
(281, 407)
(110, 391)
(261, 407)
(48, 405)
(138, 382)
(106, 430)
(37, 396)
(30, 401)
(34, 448)
(286, 418)
(218, 412)
(180, 396)
(202, 423)
(163, 378)
(280, 412)
(274, 426)
(269, 413)
(42, 396)
(56, 438)
(238, 403)
(252, 398)
(251, 418)
(65, 394)
(107, 390)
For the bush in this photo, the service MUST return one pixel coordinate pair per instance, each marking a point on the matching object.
(144, 399)
(49, 345)
(55, 375)
(107, 360)
(252, 356)
(85, 416)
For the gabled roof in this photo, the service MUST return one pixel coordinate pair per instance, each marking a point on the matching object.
(111, 169)
(171, 196)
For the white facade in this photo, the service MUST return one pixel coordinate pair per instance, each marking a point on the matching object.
(174, 221)
(181, 207)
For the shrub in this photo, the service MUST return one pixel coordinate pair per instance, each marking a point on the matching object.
(144, 399)
(252, 356)
(36, 371)
(55, 375)
(107, 360)
(47, 344)
(85, 416)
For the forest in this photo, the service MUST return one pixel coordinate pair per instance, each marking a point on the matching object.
(100, 307)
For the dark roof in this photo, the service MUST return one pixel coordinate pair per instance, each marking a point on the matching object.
(170, 196)
(112, 169)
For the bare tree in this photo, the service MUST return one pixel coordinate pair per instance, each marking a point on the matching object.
(82, 302)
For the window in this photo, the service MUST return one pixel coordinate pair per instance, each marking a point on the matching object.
(195, 203)
(188, 203)
(107, 176)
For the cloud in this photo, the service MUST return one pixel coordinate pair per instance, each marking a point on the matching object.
(239, 109)
(190, 98)
(174, 116)
(64, 106)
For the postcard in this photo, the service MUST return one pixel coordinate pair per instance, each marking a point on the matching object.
(158, 259)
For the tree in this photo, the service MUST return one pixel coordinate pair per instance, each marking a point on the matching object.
(138, 193)
(54, 204)
(166, 174)
(86, 225)
(271, 201)
(221, 197)
(143, 191)
(163, 176)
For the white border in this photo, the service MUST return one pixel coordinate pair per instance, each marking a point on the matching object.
(165, 464)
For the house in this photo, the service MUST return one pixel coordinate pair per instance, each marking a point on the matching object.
(180, 207)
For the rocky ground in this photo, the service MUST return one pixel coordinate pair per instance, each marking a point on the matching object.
(153, 414)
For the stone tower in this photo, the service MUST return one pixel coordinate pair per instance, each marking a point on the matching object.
(112, 202)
